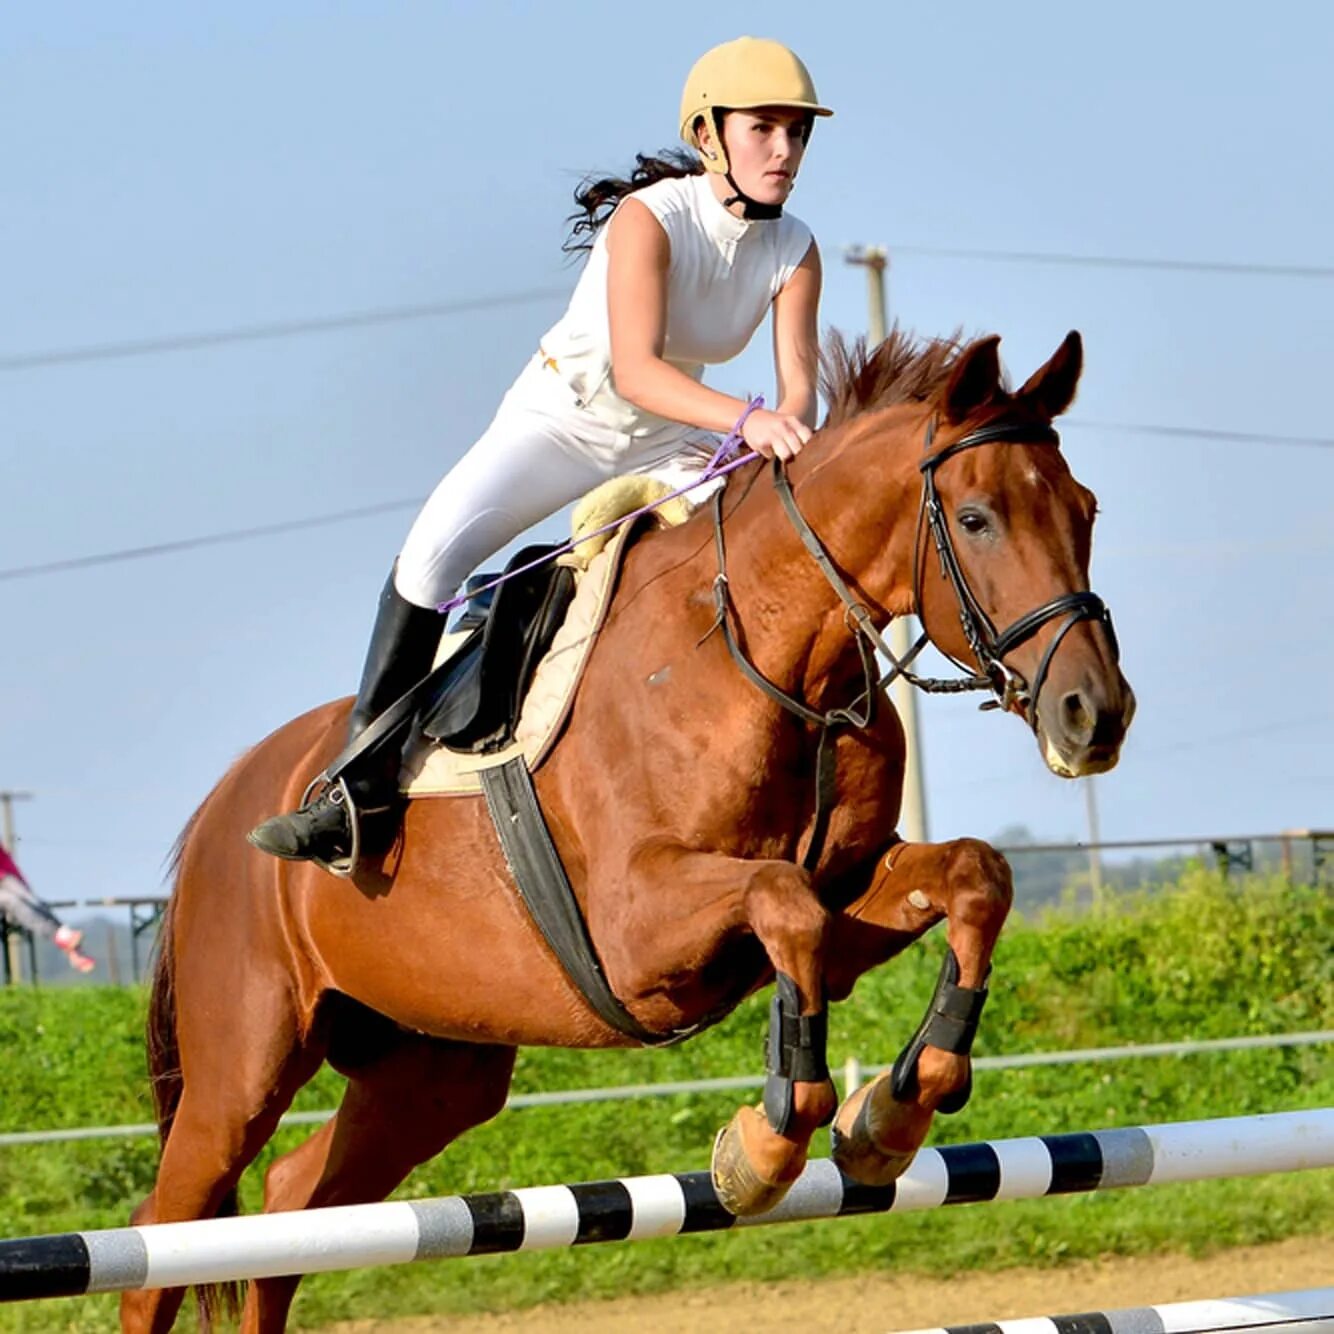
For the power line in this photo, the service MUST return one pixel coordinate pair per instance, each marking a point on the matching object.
(389, 506)
(1238, 734)
(1204, 433)
(144, 347)
(140, 347)
(205, 540)
(1121, 262)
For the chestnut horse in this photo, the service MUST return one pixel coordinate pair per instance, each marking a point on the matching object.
(682, 802)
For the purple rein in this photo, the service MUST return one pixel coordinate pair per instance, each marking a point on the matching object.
(718, 466)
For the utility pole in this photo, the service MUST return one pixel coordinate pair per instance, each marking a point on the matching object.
(912, 818)
(8, 838)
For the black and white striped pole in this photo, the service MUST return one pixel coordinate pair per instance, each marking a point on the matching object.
(170, 1255)
(1305, 1312)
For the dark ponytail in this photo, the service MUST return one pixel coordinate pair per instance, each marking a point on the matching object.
(597, 199)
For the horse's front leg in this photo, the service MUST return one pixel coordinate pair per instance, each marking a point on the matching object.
(880, 1128)
(762, 1151)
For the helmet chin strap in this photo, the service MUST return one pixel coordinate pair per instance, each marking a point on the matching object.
(751, 209)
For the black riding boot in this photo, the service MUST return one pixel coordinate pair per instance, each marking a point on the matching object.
(403, 644)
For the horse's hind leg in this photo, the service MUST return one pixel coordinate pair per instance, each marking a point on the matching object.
(880, 1128)
(237, 1085)
(400, 1109)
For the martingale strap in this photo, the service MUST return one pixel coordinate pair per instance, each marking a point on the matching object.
(859, 713)
(950, 1024)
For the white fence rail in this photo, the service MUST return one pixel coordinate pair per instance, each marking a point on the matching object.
(854, 1073)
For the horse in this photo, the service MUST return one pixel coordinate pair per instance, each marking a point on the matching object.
(705, 860)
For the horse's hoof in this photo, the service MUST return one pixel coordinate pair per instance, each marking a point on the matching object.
(854, 1148)
(741, 1190)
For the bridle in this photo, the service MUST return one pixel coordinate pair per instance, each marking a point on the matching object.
(987, 645)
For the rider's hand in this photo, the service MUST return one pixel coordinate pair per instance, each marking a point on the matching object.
(775, 434)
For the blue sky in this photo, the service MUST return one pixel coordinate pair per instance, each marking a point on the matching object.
(175, 169)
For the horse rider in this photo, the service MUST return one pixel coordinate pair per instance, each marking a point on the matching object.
(684, 259)
(20, 906)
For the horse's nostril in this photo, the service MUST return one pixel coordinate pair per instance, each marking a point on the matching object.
(1075, 716)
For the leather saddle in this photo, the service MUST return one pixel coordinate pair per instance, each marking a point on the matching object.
(471, 701)
(475, 704)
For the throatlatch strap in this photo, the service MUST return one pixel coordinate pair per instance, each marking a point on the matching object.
(950, 1024)
(795, 1050)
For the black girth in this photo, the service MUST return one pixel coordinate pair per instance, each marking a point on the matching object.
(988, 646)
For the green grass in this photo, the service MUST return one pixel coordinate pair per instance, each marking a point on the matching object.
(1206, 959)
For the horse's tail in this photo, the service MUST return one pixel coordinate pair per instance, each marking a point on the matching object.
(164, 1056)
(164, 1070)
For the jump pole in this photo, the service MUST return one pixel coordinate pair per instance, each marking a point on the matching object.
(1274, 1312)
(168, 1255)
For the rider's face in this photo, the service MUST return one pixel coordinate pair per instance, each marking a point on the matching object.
(764, 149)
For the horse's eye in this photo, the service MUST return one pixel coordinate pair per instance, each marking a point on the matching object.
(973, 522)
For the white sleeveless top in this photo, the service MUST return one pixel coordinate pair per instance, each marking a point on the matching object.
(723, 274)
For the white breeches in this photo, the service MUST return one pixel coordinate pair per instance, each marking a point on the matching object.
(541, 452)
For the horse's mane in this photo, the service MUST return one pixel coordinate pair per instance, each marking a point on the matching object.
(904, 368)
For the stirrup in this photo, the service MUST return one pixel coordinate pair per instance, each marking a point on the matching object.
(339, 794)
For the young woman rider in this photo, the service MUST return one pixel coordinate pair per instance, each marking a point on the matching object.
(694, 253)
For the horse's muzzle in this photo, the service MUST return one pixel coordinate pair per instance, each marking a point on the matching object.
(1080, 728)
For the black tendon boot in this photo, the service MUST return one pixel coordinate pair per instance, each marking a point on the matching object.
(403, 644)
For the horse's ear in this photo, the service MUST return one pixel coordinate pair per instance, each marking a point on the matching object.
(974, 381)
(1052, 387)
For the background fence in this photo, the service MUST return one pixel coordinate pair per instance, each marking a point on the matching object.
(854, 1074)
(120, 932)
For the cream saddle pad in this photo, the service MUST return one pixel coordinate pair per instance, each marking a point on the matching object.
(433, 771)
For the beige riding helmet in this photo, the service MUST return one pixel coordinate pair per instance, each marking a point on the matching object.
(737, 76)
